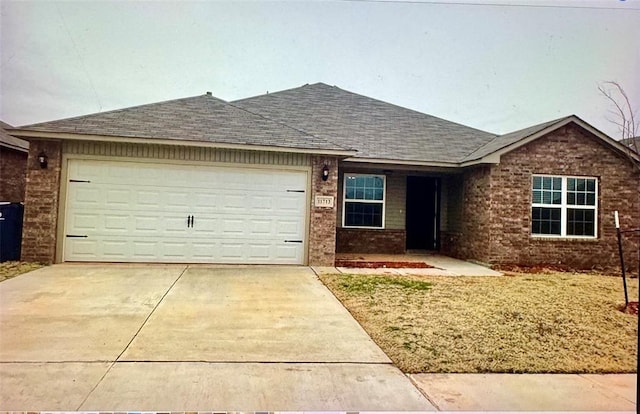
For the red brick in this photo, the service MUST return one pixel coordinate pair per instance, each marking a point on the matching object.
(13, 166)
(41, 203)
(497, 211)
(322, 223)
(386, 241)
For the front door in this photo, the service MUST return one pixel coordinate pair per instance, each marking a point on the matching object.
(423, 213)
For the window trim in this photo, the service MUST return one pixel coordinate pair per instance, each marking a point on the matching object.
(563, 206)
(345, 201)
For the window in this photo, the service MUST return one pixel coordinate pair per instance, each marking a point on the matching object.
(363, 201)
(564, 206)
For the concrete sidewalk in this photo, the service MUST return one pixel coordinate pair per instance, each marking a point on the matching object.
(529, 392)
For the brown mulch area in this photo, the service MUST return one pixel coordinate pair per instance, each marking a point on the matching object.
(379, 265)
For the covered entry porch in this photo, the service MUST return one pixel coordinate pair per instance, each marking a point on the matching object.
(383, 210)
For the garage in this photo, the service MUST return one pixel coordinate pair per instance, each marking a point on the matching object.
(142, 211)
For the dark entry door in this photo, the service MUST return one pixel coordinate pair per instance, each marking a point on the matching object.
(423, 213)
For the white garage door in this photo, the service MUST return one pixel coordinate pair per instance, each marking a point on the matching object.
(144, 212)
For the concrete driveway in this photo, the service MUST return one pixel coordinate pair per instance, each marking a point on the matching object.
(177, 338)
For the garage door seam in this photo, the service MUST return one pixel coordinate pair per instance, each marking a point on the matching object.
(132, 339)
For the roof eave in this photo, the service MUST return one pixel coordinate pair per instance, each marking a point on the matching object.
(28, 134)
(387, 161)
(14, 147)
(494, 157)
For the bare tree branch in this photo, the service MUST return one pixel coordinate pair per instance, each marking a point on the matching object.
(625, 116)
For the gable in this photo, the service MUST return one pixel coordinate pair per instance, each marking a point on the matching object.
(569, 150)
(492, 151)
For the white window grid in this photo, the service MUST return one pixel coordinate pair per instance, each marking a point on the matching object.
(355, 200)
(564, 206)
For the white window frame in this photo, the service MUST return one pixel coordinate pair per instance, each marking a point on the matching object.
(345, 201)
(564, 206)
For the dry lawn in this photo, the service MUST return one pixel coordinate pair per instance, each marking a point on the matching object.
(13, 269)
(520, 323)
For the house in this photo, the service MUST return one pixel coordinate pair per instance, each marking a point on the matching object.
(633, 143)
(295, 176)
(13, 166)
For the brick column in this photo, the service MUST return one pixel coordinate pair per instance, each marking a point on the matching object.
(41, 202)
(322, 223)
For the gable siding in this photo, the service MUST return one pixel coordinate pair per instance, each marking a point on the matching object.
(184, 153)
(395, 210)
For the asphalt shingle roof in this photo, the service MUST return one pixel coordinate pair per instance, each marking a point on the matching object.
(201, 119)
(312, 117)
(374, 128)
(7, 140)
(502, 141)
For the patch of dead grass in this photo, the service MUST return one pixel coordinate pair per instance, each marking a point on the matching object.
(13, 269)
(521, 323)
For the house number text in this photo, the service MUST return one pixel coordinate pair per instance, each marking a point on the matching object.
(324, 201)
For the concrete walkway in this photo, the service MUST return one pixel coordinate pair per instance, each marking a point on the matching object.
(529, 392)
(176, 338)
(441, 265)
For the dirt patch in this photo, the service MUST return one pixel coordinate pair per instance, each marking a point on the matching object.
(13, 269)
(631, 308)
(547, 269)
(381, 265)
(525, 323)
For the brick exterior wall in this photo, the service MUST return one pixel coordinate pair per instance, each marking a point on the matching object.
(41, 203)
(497, 213)
(322, 223)
(13, 167)
(385, 241)
(467, 235)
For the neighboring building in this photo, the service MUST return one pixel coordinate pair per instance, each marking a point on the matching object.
(295, 176)
(13, 166)
(633, 143)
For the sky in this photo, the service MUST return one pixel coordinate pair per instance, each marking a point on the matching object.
(491, 64)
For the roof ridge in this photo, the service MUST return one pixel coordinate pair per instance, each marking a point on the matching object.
(370, 98)
(120, 110)
(286, 125)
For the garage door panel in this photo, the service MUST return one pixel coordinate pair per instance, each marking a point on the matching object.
(289, 228)
(193, 251)
(113, 249)
(113, 223)
(148, 198)
(84, 222)
(261, 227)
(138, 212)
(204, 200)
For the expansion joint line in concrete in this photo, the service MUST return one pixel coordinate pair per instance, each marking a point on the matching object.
(600, 385)
(423, 392)
(247, 362)
(134, 337)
